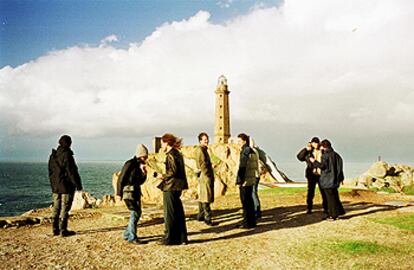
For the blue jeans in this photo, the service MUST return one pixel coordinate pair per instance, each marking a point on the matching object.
(130, 233)
(256, 200)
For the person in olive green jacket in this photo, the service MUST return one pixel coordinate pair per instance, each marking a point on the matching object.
(246, 179)
(174, 181)
(205, 176)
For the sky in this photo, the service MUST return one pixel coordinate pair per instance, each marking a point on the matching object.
(116, 73)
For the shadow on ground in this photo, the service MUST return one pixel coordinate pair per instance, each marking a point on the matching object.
(281, 218)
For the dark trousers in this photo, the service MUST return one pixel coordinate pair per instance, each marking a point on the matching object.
(335, 207)
(312, 182)
(204, 212)
(246, 198)
(60, 213)
(174, 218)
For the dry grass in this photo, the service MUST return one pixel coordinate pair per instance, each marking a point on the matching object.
(286, 238)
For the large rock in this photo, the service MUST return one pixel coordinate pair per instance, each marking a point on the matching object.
(83, 200)
(383, 176)
(224, 158)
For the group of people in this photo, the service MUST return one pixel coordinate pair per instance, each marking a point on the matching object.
(324, 167)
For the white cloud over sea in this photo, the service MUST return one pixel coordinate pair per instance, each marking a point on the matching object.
(344, 66)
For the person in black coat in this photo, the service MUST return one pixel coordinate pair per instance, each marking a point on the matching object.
(64, 180)
(173, 182)
(312, 174)
(332, 176)
(133, 175)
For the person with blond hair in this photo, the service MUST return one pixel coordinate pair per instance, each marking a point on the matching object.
(173, 182)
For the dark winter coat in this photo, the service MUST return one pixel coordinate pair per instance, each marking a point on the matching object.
(175, 178)
(206, 177)
(331, 169)
(131, 174)
(63, 172)
(248, 167)
(305, 155)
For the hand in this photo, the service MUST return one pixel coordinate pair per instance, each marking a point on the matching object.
(143, 168)
(311, 159)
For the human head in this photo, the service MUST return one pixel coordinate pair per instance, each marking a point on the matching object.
(242, 139)
(65, 141)
(203, 139)
(325, 144)
(141, 152)
(315, 142)
(169, 140)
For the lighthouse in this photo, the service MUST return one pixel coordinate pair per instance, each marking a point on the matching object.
(222, 123)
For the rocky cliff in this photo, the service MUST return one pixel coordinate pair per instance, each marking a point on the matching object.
(224, 158)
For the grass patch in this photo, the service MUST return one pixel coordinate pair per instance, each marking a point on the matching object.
(288, 191)
(360, 247)
(342, 189)
(405, 222)
(409, 190)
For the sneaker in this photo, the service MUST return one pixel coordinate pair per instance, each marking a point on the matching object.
(67, 233)
(137, 242)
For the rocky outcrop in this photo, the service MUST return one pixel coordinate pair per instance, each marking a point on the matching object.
(386, 177)
(224, 158)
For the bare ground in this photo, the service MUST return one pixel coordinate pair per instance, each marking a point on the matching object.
(285, 238)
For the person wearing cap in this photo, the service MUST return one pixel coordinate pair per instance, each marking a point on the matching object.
(133, 175)
(64, 180)
(312, 174)
(332, 175)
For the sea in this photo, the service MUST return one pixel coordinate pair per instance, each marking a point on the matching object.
(25, 185)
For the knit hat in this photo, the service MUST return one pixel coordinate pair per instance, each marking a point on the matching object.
(141, 151)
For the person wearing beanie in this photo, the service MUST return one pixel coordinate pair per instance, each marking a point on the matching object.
(133, 175)
(64, 180)
(312, 174)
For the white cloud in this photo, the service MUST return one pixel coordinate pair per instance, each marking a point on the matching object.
(341, 65)
(109, 39)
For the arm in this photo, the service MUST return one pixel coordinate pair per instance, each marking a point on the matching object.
(244, 158)
(323, 165)
(202, 163)
(302, 155)
(122, 178)
(172, 168)
(72, 172)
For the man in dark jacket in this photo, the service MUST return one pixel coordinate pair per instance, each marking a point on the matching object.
(246, 179)
(331, 177)
(312, 174)
(133, 175)
(64, 180)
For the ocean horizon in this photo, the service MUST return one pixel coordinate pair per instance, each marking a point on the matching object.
(25, 185)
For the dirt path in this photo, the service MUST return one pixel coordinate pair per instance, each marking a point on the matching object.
(285, 238)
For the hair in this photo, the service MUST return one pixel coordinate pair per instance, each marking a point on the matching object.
(201, 135)
(244, 137)
(326, 144)
(65, 141)
(315, 140)
(172, 140)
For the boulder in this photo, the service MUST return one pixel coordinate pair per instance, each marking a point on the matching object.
(383, 176)
(378, 169)
(83, 200)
